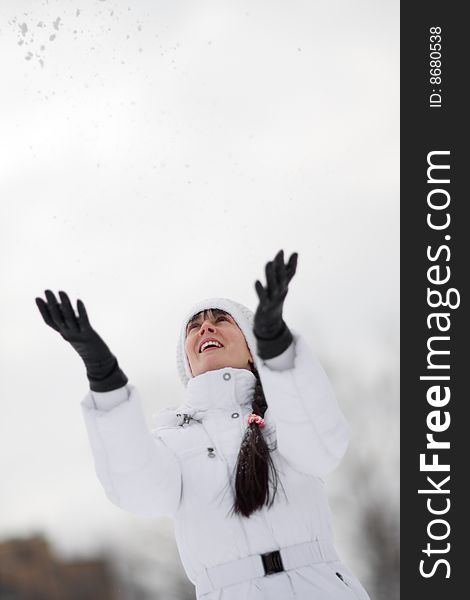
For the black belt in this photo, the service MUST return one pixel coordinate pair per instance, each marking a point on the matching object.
(251, 567)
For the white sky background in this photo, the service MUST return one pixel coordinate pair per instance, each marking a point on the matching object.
(162, 153)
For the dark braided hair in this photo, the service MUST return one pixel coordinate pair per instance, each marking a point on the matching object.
(255, 466)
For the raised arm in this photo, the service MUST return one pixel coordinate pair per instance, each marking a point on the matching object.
(138, 472)
(312, 433)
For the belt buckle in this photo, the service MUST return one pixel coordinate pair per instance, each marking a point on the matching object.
(272, 562)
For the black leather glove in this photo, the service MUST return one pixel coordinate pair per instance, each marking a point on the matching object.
(103, 371)
(272, 334)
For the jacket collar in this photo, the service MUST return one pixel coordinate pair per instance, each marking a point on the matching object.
(220, 389)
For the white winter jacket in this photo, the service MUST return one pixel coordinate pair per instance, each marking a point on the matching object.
(184, 468)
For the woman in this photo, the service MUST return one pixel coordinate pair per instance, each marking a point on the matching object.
(241, 464)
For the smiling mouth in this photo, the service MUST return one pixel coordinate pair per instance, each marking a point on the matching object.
(210, 344)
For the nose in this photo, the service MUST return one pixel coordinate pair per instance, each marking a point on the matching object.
(206, 326)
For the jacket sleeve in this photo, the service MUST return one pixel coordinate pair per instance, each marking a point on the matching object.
(312, 433)
(138, 472)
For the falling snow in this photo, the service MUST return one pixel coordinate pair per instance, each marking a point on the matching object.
(36, 32)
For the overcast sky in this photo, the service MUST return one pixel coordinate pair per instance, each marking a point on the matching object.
(156, 153)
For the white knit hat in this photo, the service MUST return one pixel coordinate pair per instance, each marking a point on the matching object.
(243, 317)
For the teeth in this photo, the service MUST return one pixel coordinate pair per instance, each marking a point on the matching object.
(210, 343)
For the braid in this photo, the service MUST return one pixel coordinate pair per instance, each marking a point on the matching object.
(255, 466)
(259, 404)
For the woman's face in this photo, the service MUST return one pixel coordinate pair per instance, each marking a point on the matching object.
(214, 341)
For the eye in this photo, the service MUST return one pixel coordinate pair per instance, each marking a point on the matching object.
(222, 318)
(191, 326)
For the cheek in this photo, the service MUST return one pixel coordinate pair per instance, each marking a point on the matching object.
(188, 348)
(242, 348)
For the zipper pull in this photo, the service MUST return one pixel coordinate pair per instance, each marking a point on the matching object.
(342, 578)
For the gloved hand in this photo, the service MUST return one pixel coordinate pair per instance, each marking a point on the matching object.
(272, 334)
(103, 371)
